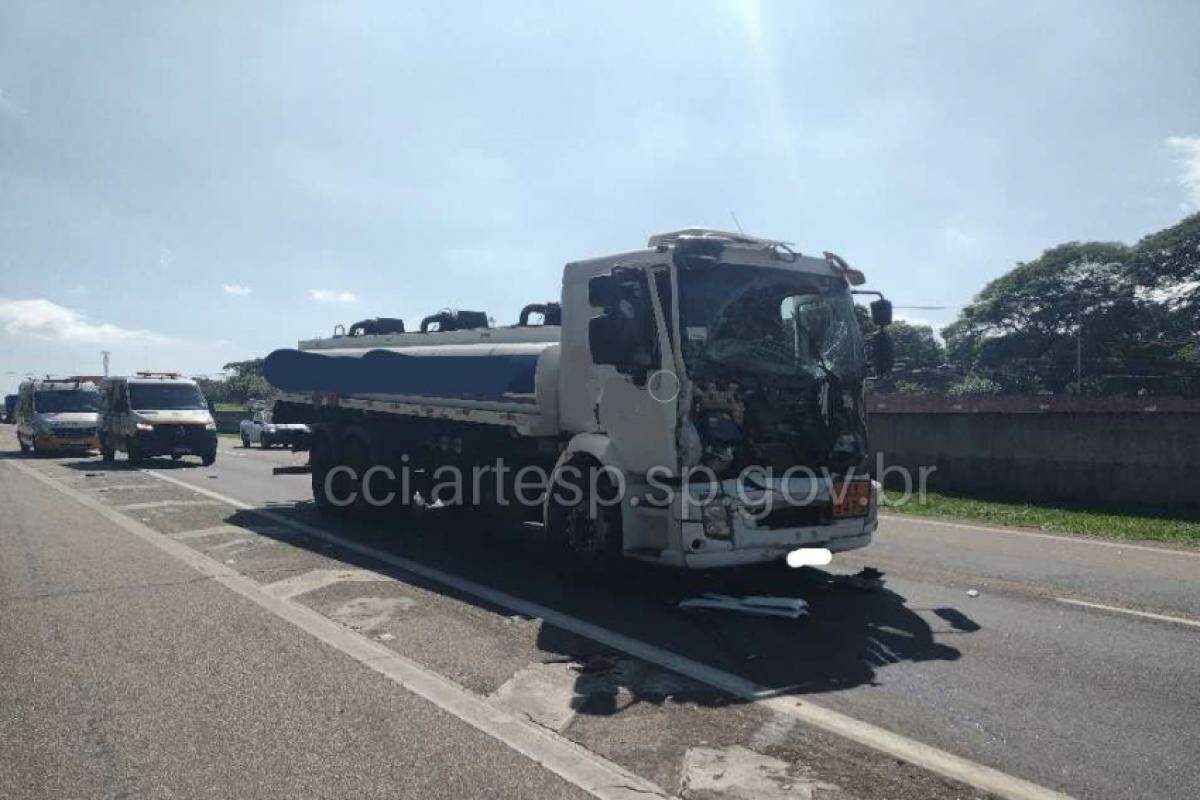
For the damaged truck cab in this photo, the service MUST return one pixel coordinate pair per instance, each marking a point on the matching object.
(695, 404)
(723, 376)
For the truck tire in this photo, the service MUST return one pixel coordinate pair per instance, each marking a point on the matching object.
(586, 535)
(356, 454)
(107, 454)
(133, 455)
(264, 442)
(245, 440)
(322, 457)
(24, 447)
(209, 458)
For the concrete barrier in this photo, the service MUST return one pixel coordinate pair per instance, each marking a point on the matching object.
(1102, 451)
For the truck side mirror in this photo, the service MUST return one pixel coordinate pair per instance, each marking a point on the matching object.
(881, 312)
(609, 341)
(883, 351)
(602, 291)
(623, 336)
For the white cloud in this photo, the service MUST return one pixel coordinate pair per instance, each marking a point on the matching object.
(331, 296)
(44, 319)
(1187, 155)
(957, 239)
(235, 289)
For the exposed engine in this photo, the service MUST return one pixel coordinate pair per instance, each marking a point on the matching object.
(819, 426)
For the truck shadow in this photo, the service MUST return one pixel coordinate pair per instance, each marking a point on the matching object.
(847, 639)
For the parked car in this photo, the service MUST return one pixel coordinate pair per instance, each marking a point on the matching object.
(261, 430)
(155, 414)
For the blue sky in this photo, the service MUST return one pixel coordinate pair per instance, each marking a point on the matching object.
(188, 184)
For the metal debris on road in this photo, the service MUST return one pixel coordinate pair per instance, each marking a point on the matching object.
(972, 593)
(791, 607)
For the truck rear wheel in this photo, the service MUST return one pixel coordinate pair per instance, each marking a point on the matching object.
(322, 458)
(585, 534)
(107, 454)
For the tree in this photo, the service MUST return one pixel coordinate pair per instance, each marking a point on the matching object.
(245, 384)
(1090, 317)
(1071, 310)
(920, 357)
(1167, 263)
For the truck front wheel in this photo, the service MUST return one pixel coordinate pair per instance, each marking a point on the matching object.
(584, 517)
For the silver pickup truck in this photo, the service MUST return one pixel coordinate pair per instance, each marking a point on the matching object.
(260, 430)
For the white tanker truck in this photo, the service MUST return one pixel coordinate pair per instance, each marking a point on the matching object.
(695, 404)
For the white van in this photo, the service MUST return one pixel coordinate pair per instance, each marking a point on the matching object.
(57, 414)
(155, 414)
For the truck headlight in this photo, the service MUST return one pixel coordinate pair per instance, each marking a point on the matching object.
(145, 427)
(210, 426)
(716, 521)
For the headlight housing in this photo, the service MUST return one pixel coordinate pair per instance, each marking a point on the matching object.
(716, 521)
(144, 427)
(210, 426)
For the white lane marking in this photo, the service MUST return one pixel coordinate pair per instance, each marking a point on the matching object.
(165, 504)
(740, 774)
(543, 692)
(931, 758)
(316, 579)
(1065, 538)
(573, 763)
(1119, 610)
(120, 487)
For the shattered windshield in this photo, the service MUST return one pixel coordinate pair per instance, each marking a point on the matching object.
(772, 322)
(57, 401)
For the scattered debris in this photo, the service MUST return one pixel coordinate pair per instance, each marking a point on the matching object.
(972, 593)
(386, 637)
(791, 607)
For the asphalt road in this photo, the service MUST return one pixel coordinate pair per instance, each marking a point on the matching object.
(123, 673)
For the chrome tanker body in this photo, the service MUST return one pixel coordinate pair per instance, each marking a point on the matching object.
(627, 418)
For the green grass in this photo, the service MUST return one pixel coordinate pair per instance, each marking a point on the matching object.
(1176, 526)
(229, 407)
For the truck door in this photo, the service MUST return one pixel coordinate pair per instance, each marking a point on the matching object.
(638, 404)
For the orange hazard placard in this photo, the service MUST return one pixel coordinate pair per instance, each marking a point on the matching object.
(851, 498)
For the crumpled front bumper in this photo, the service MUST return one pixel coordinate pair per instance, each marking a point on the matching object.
(750, 542)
